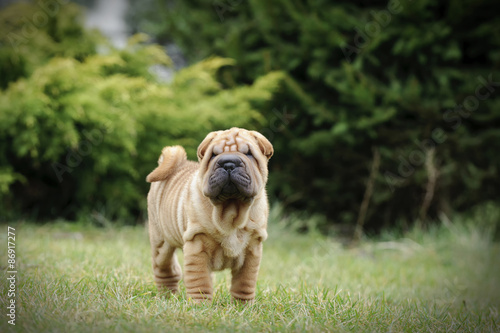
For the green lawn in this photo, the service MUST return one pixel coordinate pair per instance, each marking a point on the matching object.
(77, 278)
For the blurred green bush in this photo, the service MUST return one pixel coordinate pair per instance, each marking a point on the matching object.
(79, 131)
(393, 78)
(332, 85)
(31, 35)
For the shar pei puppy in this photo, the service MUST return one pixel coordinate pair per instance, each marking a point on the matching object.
(215, 210)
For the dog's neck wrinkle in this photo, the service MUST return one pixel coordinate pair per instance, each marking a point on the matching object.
(230, 217)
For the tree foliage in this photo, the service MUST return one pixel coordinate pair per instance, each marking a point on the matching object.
(332, 85)
(31, 35)
(398, 77)
(79, 135)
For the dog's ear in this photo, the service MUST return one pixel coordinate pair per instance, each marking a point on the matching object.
(169, 159)
(265, 146)
(202, 148)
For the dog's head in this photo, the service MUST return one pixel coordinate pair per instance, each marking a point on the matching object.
(234, 164)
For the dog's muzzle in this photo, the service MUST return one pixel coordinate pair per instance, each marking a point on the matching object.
(229, 180)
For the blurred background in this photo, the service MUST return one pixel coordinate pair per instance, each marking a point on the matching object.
(383, 114)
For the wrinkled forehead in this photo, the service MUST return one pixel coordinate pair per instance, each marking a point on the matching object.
(232, 141)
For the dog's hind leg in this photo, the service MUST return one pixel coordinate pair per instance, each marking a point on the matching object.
(166, 268)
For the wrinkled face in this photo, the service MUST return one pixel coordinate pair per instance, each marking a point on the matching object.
(233, 164)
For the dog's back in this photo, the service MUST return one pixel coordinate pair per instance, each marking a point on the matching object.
(170, 183)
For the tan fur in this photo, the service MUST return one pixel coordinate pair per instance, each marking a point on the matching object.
(213, 235)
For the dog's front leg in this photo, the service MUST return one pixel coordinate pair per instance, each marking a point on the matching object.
(245, 278)
(197, 273)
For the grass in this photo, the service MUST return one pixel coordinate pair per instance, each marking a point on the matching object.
(81, 278)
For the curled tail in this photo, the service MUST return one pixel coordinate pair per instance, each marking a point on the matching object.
(169, 160)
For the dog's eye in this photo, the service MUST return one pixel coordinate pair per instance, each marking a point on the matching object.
(249, 153)
(213, 155)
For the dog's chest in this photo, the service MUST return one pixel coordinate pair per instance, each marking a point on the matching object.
(232, 250)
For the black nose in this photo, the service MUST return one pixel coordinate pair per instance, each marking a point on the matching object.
(229, 162)
(229, 166)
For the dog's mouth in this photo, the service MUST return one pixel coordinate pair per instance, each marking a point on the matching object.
(231, 191)
(229, 181)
